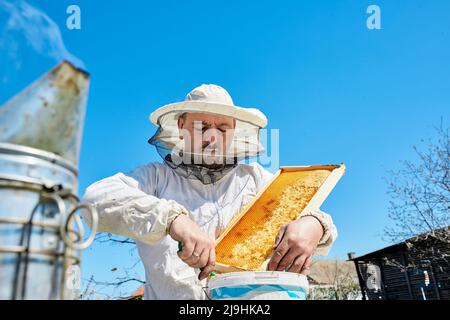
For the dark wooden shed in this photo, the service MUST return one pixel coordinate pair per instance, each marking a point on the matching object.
(416, 269)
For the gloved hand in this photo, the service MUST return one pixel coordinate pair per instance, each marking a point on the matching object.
(295, 245)
(198, 250)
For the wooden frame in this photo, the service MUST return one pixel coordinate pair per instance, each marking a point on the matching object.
(337, 171)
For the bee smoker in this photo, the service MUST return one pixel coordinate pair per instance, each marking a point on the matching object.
(41, 232)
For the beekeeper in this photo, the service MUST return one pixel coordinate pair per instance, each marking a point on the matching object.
(192, 196)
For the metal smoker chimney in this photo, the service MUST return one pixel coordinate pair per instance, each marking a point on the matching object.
(41, 234)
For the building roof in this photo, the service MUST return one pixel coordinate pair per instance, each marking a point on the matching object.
(136, 295)
(401, 245)
(331, 272)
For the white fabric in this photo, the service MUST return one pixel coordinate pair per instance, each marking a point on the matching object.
(210, 93)
(211, 98)
(215, 100)
(138, 205)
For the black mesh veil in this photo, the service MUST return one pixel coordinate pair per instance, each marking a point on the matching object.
(244, 144)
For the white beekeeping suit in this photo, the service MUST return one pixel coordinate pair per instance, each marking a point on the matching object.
(141, 204)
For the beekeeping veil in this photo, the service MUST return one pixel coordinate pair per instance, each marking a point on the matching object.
(242, 141)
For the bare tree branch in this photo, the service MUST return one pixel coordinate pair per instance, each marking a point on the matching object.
(420, 198)
(109, 237)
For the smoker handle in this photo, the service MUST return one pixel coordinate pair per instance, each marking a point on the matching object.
(94, 226)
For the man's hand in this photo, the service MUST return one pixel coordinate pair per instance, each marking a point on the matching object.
(198, 249)
(295, 244)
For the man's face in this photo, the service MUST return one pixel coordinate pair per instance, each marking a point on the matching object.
(208, 136)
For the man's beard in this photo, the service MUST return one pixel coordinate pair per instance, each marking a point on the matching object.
(209, 161)
(207, 173)
(208, 158)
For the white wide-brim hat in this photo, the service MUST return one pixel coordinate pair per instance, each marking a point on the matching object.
(215, 100)
(210, 98)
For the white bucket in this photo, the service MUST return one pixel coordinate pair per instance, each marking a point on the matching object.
(258, 285)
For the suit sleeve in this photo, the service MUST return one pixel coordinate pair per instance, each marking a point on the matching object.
(127, 206)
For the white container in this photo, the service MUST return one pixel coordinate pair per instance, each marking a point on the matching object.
(258, 285)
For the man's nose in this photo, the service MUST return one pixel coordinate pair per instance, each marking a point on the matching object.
(212, 136)
(209, 141)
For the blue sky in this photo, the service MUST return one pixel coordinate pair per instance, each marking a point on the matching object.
(337, 91)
